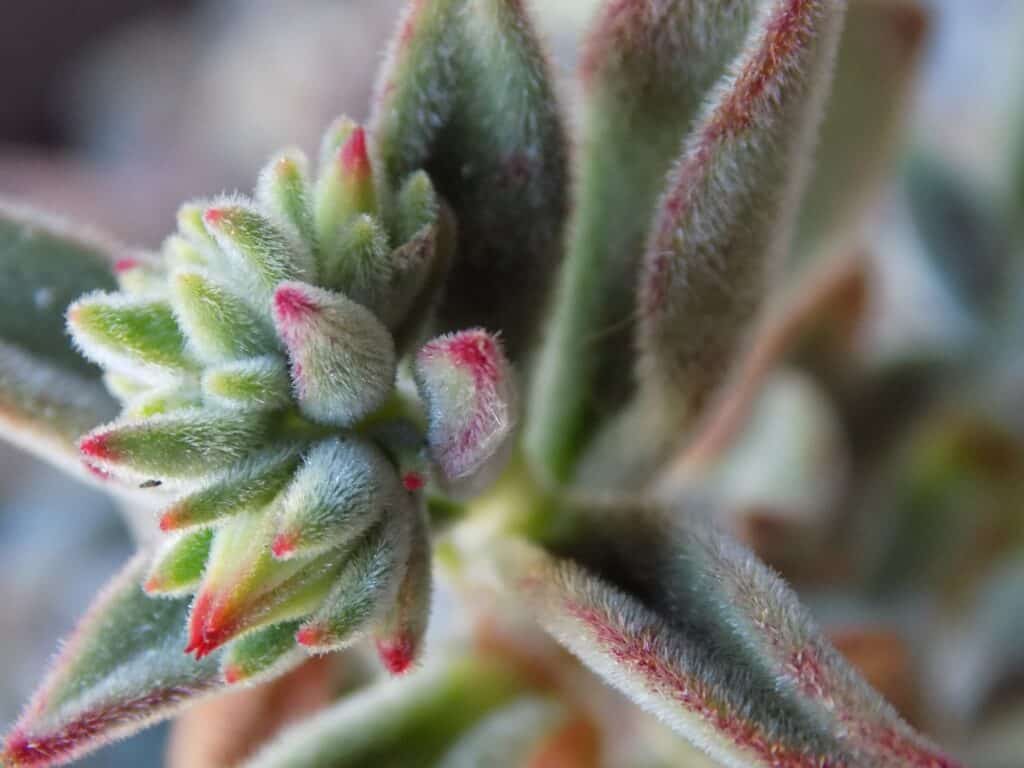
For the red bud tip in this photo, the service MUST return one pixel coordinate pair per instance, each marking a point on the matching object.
(214, 216)
(20, 750)
(283, 545)
(397, 655)
(168, 521)
(309, 636)
(209, 627)
(233, 674)
(152, 585)
(353, 155)
(125, 265)
(413, 481)
(95, 446)
(291, 305)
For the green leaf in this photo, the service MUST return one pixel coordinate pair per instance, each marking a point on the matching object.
(407, 722)
(122, 670)
(725, 220)
(466, 96)
(646, 70)
(49, 395)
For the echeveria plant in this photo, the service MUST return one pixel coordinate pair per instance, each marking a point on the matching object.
(459, 342)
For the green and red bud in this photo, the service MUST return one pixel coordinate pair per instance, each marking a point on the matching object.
(342, 357)
(179, 565)
(284, 192)
(467, 385)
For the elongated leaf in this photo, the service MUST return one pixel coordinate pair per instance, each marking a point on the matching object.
(880, 48)
(466, 96)
(122, 670)
(48, 394)
(712, 641)
(647, 69)
(404, 723)
(726, 217)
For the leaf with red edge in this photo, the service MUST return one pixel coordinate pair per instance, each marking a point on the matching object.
(725, 220)
(711, 640)
(122, 670)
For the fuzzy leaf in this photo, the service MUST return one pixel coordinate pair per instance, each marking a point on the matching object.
(342, 358)
(365, 588)
(122, 670)
(180, 444)
(178, 568)
(725, 219)
(283, 190)
(262, 654)
(258, 248)
(646, 69)
(879, 51)
(248, 485)
(138, 336)
(458, 71)
(403, 723)
(345, 189)
(260, 383)
(700, 615)
(469, 391)
(399, 635)
(343, 487)
(245, 588)
(218, 323)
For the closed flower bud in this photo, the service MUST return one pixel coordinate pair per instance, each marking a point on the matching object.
(342, 358)
(466, 383)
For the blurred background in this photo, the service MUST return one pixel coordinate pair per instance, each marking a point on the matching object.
(114, 111)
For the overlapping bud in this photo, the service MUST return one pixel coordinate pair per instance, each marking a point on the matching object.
(257, 366)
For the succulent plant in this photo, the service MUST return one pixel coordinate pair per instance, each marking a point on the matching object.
(582, 385)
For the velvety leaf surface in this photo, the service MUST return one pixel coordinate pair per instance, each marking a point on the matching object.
(466, 96)
(726, 217)
(121, 670)
(712, 641)
(647, 67)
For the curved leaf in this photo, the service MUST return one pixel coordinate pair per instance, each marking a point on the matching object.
(122, 670)
(711, 640)
(466, 96)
